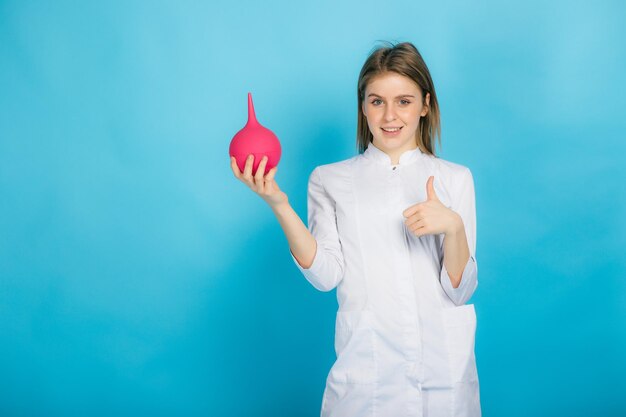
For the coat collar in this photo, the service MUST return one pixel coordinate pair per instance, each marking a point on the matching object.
(376, 155)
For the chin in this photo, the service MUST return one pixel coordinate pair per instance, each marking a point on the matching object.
(393, 143)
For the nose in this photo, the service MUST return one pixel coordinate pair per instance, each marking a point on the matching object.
(390, 113)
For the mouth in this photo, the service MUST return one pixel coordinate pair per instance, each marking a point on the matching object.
(391, 129)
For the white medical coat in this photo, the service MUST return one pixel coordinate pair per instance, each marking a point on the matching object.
(404, 337)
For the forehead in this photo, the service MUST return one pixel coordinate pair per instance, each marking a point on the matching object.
(391, 84)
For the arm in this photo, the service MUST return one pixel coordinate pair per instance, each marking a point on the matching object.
(319, 258)
(316, 253)
(456, 252)
(459, 272)
(302, 244)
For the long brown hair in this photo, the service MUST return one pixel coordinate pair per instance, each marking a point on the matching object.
(404, 59)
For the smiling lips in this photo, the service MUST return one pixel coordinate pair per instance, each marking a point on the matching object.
(391, 129)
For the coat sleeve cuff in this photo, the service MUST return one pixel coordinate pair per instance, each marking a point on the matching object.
(469, 282)
(315, 273)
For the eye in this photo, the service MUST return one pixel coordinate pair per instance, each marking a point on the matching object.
(375, 101)
(404, 102)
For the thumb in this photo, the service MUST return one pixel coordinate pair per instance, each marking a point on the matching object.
(430, 189)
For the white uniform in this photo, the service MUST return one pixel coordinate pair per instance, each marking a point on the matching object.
(404, 337)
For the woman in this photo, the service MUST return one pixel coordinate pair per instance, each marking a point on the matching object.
(393, 229)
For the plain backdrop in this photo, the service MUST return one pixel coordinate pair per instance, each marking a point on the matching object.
(139, 277)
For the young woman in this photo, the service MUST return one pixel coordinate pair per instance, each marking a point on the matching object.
(393, 229)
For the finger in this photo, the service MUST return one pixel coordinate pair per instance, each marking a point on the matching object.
(235, 167)
(258, 176)
(410, 211)
(260, 171)
(271, 174)
(416, 225)
(420, 231)
(430, 189)
(247, 170)
(413, 219)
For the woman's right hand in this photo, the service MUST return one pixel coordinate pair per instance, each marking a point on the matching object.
(266, 187)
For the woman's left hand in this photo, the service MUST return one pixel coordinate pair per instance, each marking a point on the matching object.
(431, 216)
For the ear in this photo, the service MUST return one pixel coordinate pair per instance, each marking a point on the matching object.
(363, 108)
(426, 105)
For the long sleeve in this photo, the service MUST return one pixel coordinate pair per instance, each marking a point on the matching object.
(327, 268)
(465, 206)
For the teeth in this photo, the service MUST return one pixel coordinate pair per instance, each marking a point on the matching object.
(395, 129)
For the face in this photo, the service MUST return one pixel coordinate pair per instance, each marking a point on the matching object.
(393, 106)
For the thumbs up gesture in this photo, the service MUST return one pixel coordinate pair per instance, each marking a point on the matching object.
(431, 216)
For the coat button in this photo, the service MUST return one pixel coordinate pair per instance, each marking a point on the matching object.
(416, 382)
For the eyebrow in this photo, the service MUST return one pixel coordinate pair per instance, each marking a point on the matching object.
(403, 95)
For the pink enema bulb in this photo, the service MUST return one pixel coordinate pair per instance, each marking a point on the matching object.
(256, 140)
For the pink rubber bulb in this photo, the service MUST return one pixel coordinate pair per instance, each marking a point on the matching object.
(256, 140)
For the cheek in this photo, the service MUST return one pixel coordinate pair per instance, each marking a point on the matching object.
(373, 115)
(412, 114)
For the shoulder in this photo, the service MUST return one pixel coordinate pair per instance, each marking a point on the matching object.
(451, 170)
(456, 178)
(334, 170)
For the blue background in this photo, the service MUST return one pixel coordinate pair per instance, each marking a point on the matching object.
(139, 277)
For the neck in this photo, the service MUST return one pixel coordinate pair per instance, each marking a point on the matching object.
(395, 155)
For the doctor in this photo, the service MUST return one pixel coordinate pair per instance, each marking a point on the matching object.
(393, 229)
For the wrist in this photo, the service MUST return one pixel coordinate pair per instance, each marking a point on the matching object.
(280, 207)
(456, 226)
